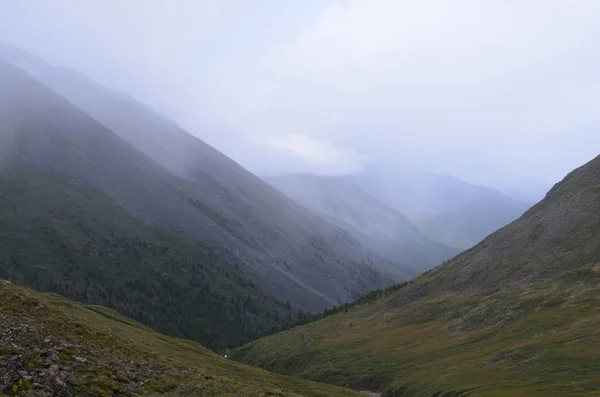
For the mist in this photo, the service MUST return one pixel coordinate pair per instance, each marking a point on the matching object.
(498, 93)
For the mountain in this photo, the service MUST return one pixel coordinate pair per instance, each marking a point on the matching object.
(374, 223)
(515, 315)
(291, 253)
(172, 181)
(447, 209)
(51, 346)
(80, 215)
(61, 233)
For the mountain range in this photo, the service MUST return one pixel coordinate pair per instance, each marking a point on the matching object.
(447, 209)
(139, 224)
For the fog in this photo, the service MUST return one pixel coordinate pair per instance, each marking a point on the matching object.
(500, 93)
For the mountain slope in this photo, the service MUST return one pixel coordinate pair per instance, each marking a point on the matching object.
(448, 210)
(289, 252)
(374, 223)
(52, 346)
(60, 235)
(518, 314)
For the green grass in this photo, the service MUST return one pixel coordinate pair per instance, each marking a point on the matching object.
(120, 352)
(534, 341)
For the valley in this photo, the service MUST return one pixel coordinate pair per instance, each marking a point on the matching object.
(515, 315)
(136, 259)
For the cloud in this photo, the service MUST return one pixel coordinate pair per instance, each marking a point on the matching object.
(148, 48)
(319, 156)
(482, 89)
(498, 92)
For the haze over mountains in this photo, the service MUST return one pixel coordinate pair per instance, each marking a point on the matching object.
(107, 202)
(376, 224)
(58, 120)
(222, 202)
(448, 210)
(91, 216)
(405, 213)
(77, 209)
(321, 198)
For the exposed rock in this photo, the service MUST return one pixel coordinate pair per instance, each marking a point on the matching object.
(371, 394)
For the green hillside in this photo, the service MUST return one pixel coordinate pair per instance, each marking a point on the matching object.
(57, 234)
(517, 315)
(50, 345)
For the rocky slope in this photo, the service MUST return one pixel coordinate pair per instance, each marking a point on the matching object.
(50, 346)
(515, 315)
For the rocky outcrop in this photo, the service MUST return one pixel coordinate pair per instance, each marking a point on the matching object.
(35, 363)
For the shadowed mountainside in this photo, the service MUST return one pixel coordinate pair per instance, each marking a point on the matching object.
(59, 235)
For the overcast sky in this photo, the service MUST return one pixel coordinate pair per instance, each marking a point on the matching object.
(504, 93)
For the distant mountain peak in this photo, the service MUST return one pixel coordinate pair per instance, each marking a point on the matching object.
(447, 209)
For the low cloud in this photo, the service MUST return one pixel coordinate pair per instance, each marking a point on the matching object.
(320, 157)
(502, 93)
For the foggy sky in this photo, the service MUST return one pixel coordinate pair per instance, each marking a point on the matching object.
(503, 93)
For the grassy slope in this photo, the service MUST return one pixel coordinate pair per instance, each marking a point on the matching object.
(519, 314)
(530, 341)
(106, 353)
(61, 236)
